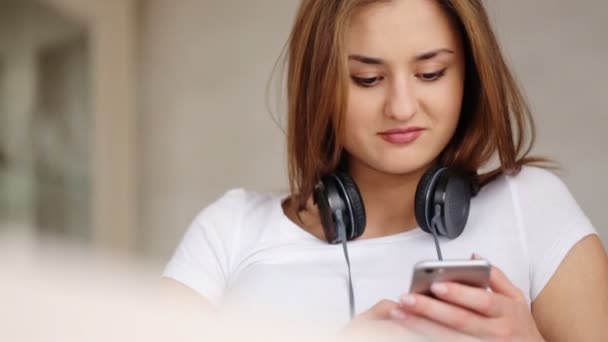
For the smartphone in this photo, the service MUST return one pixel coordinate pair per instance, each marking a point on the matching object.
(469, 272)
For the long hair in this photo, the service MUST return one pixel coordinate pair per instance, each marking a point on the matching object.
(495, 119)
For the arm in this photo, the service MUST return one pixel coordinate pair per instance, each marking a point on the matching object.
(178, 292)
(573, 306)
(199, 267)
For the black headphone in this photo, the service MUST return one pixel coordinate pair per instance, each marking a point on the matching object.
(443, 198)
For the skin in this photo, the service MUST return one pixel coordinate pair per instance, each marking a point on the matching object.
(407, 67)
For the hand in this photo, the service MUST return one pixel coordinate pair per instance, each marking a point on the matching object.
(383, 322)
(500, 315)
(376, 319)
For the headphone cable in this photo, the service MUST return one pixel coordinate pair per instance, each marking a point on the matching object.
(434, 223)
(342, 237)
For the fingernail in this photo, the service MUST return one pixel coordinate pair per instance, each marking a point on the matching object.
(439, 289)
(397, 314)
(408, 300)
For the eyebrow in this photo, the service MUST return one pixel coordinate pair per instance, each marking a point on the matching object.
(421, 57)
(366, 59)
(432, 54)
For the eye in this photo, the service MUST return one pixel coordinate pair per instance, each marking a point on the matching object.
(367, 82)
(431, 76)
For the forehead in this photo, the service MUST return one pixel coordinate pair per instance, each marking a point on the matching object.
(404, 27)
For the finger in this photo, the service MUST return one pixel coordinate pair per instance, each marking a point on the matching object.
(380, 310)
(499, 283)
(449, 315)
(373, 316)
(471, 298)
(434, 331)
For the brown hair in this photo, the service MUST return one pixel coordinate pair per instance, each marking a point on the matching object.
(495, 118)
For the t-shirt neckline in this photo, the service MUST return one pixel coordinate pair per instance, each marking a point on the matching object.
(410, 234)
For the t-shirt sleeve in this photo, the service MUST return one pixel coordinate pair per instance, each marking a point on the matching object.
(203, 258)
(551, 221)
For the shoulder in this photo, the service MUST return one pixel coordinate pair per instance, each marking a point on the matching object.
(538, 190)
(215, 241)
(226, 226)
(530, 183)
(535, 178)
(539, 198)
(236, 205)
(238, 199)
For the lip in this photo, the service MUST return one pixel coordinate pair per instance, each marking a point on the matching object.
(402, 136)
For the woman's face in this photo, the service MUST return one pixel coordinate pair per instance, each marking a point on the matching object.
(406, 64)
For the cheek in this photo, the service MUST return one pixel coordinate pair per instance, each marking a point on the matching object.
(361, 110)
(445, 103)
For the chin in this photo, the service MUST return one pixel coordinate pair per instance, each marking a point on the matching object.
(401, 168)
(393, 162)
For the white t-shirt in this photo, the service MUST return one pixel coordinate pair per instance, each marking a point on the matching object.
(242, 250)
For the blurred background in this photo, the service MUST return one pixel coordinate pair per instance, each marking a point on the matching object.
(121, 119)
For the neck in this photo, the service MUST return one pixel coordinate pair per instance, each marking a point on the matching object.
(389, 200)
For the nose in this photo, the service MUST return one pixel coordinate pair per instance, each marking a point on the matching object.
(401, 101)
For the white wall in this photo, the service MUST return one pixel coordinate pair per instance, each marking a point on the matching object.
(204, 126)
(558, 49)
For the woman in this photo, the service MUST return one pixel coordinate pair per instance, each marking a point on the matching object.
(385, 90)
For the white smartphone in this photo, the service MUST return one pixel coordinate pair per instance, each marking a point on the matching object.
(469, 272)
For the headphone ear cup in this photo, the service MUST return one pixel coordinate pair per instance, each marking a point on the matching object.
(423, 201)
(451, 191)
(456, 192)
(322, 192)
(355, 209)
